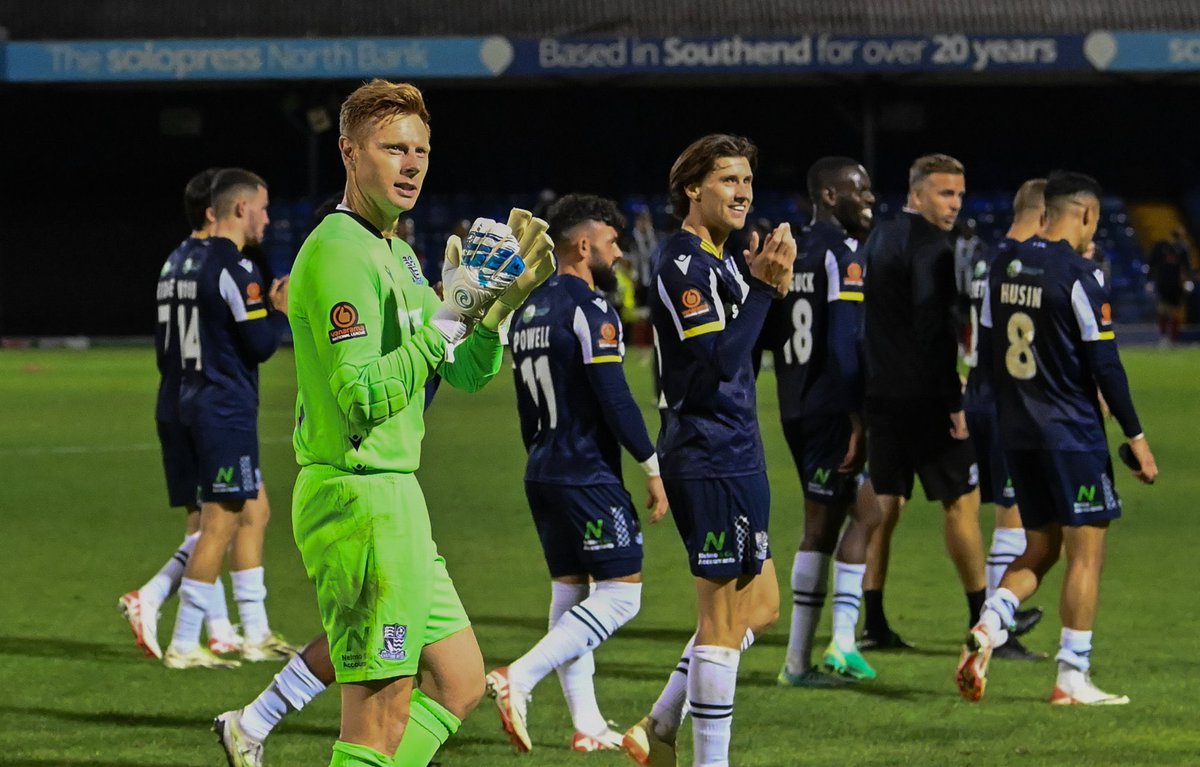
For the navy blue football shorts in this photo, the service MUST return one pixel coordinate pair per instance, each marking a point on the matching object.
(995, 484)
(228, 463)
(1071, 489)
(723, 522)
(586, 529)
(179, 464)
(818, 444)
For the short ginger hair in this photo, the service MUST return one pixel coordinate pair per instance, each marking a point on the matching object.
(378, 100)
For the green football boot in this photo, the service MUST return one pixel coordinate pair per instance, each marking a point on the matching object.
(813, 677)
(851, 664)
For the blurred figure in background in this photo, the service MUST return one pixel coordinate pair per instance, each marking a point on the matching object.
(1171, 276)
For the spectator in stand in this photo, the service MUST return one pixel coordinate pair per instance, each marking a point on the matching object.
(1171, 276)
(641, 252)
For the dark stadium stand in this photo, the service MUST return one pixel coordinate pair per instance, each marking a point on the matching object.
(63, 20)
(437, 215)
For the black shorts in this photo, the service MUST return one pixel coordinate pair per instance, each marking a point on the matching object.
(586, 530)
(228, 462)
(1071, 489)
(723, 523)
(903, 441)
(995, 484)
(818, 445)
(179, 464)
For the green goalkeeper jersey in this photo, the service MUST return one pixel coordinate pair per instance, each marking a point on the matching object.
(360, 317)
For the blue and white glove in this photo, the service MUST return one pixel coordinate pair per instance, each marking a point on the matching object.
(474, 274)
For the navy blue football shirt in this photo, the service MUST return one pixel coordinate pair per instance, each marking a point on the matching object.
(1053, 345)
(707, 317)
(224, 329)
(816, 329)
(575, 407)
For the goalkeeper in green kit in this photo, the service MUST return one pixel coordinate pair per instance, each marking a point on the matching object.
(368, 334)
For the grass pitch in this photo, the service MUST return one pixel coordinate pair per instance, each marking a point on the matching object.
(83, 519)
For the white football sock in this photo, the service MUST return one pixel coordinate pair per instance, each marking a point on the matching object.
(712, 683)
(290, 690)
(166, 581)
(250, 593)
(575, 677)
(1074, 651)
(194, 597)
(1008, 543)
(671, 707)
(810, 576)
(667, 711)
(847, 597)
(748, 640)
(997, 615)
(582, 628)
(218, 613)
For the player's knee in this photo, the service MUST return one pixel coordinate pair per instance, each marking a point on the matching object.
(623, 600)
(461, 693)
(819, 537)
(471, 696)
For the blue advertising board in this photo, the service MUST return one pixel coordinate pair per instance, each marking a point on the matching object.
(255, 59)
(828, 54)
(496, 57)
(1143, 51)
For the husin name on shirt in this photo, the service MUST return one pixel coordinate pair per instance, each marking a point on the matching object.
(1021, 295)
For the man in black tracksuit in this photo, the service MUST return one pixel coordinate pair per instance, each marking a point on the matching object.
(914, 407)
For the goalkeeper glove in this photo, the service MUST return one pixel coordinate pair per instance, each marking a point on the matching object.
(537, 251)
(474, 274)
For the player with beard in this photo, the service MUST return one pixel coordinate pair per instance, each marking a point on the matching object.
(816, 333)
(576, 414)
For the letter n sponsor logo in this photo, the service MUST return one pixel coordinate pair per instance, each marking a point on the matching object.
(1086, 493)
(594, 529)
(714, 542)
(225, 474)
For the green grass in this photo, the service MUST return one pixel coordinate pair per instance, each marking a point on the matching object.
(82, 518)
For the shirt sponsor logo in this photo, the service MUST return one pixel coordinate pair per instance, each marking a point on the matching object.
(854, 275)
(608, 336)
(253, 293)
(594, 538)
(693, 304)
(714, 552)
(819, 484)
(344, 318)
(1106, 314)
(1085, 500)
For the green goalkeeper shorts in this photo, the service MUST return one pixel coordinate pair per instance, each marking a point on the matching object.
(382, 589)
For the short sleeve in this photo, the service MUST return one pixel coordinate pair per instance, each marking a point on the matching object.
(242, 290)
(846, 283)
(599, 332)
(1092, 308)
(688, 289)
